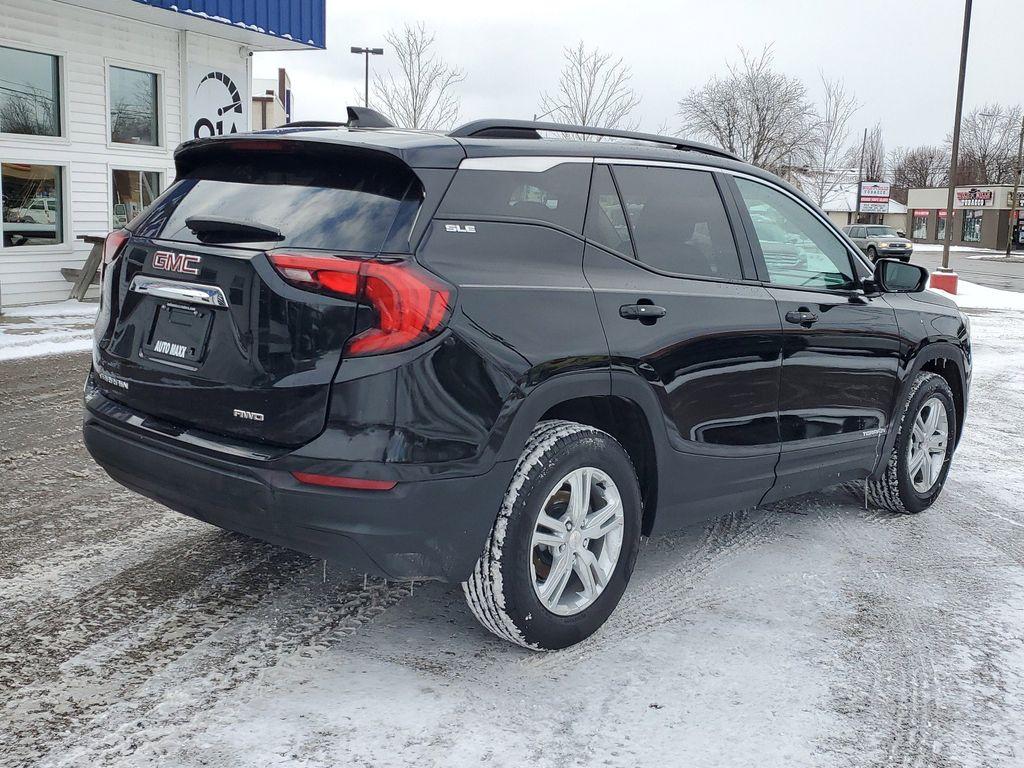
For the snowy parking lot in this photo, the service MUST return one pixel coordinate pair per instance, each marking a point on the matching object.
(810, 633)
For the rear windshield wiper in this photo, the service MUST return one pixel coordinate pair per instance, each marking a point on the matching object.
(226, 230)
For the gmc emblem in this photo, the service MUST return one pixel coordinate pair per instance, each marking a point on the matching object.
(177, 262)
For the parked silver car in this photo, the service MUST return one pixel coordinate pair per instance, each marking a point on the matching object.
(877, 240)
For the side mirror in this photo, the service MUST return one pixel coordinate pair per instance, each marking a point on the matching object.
(901, 233)
(892, 276)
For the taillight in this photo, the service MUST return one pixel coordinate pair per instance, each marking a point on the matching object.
(410, 304)
(112, 247)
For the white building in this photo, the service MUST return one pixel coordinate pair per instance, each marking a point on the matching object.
(94, 97)
(272, 101)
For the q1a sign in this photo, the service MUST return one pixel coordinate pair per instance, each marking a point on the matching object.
(218, 100)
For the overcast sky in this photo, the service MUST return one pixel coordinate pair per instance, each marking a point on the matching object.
(899, 56)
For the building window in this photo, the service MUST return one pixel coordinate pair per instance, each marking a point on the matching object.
(919, 230)
(33, 204)
(971, 232)
(132, 191)
(940, 226)
(134, 115)
(29, 93)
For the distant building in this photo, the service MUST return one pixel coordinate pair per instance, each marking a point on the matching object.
(94, 97)
(981, 216)
(272, 101)
(841, 205)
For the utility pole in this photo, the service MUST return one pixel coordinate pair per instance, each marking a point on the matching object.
(367, 52)
(860, 176)
(1014, 202)
(954, 154)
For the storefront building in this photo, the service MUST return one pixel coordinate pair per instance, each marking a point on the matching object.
(94, 97)
(981, 216)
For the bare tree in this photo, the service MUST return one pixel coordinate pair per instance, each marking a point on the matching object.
(988, 145)
(828, 141)
(754, 111)
(919, 167)
(874, 155)
(423, 94)
(30, 112)
(593, 90)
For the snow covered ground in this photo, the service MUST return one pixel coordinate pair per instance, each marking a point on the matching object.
(973, 296)
(46, 329)
(809, 633)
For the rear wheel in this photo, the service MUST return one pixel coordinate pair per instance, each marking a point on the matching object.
(565, 541)
(919, 462)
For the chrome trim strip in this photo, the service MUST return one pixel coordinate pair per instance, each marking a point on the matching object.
(521, 163)
(191, 293)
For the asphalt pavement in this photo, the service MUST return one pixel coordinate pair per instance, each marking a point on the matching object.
(989, 268)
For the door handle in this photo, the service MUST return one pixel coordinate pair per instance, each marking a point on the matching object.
(642, 311)
(802, 316)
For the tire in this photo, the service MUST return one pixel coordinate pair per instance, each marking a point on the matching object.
(900, 489)
(872, 253)
(504, 591)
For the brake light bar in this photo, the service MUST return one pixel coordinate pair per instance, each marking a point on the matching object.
(352, 483)
(410, 304)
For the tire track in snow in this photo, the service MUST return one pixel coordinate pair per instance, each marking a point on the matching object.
(301, 618)
(665, 596)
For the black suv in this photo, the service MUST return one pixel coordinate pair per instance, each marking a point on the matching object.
(500, 359)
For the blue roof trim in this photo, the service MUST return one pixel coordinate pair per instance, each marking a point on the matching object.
(300, 21)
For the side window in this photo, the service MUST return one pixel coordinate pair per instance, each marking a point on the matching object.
(678, 221)
(606, 221)
(557, 195)
(798, 249)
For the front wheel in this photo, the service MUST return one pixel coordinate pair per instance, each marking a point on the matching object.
(919, 462)
(565, 541)
(872, 253)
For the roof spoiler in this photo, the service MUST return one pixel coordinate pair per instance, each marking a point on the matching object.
(358, 117)
(529, 129)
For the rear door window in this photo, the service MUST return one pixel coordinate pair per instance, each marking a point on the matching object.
(606, 219)
(678, 221)
(557, 195)
(340, 202)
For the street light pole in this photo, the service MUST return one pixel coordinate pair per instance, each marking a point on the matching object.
(953, 161)
(367, 52)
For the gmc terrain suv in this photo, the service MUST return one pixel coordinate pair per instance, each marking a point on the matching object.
(499, 359)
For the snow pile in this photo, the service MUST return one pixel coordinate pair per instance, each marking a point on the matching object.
(974, 296)
(937, 248)
(46, 329)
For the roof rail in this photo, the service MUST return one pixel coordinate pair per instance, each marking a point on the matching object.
(528, 129)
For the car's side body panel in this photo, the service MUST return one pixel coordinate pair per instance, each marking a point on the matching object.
(741, 407)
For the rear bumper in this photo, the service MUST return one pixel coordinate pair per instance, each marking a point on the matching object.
(421, 529)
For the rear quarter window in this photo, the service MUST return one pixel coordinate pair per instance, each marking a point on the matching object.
(342, 201)
(557, 195)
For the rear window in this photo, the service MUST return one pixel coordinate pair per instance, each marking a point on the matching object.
(342, 201)
(557, 195)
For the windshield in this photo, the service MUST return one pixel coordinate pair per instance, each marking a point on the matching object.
(338, 203)
(882, 232)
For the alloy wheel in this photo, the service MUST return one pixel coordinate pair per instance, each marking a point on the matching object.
(926, 451)
(576, 541)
